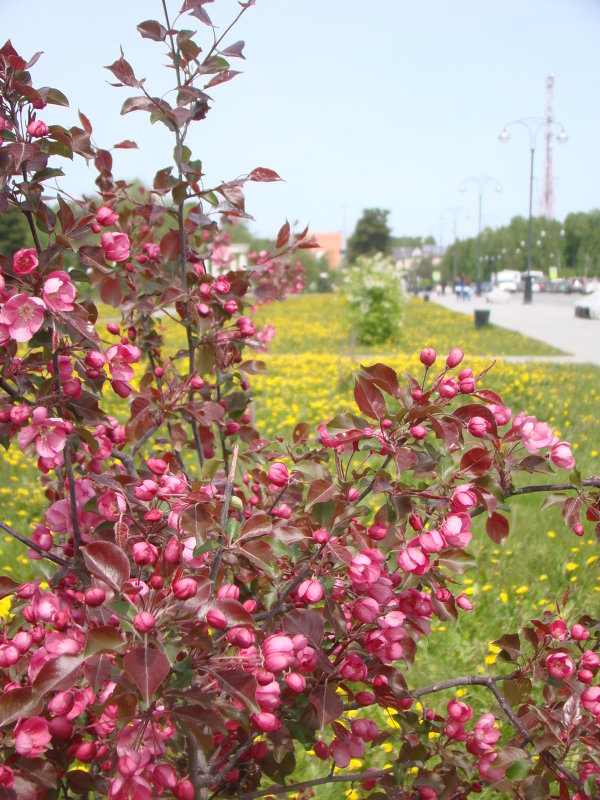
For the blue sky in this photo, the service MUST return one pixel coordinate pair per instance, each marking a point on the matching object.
(389, 103)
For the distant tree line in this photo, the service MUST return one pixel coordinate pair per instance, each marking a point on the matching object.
(572, 246)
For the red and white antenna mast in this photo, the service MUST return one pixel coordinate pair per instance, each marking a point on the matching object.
(548, 192)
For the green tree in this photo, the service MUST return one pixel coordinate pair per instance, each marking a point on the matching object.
(14, 233)
(371, 235)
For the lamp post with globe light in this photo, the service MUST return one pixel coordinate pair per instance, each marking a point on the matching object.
(480, 182)
(534, 125)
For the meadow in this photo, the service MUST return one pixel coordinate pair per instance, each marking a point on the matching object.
(309, 378)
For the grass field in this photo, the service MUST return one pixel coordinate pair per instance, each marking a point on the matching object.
(309, 377)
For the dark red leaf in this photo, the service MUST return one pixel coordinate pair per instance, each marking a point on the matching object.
(111, 291)
(222, 77)
(126, 144)
(57, 675)
(327, 704)
(283, 236)
(261, 174)
(7, 586)
(320, 491)
(87, 125)
(19, 703)
(147, 668)
(476, 461)
(240, 686)
(368, 398)
(123, 71)
(152, 29)
(108, 562)
(170, 246)
(234, 50)
(497, 528)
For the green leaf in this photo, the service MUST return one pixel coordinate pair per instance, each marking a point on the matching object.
(518, 770)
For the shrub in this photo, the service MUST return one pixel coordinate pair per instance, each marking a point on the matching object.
(375, 297)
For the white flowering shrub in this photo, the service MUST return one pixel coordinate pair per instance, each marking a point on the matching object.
(376, 298)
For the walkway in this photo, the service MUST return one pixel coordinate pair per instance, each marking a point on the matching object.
(549, 318)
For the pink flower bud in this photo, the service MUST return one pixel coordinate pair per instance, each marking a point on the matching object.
(462, 601)
(185, 588)
(25, 261)
(265, 721)
(448, 388)
(377, 531)
(455, 356)
(184, 790)
(157, 465)
(113, 327)
(95, 596)
(579, 633)
(418, 431)
(478, 426)
(353, 495)
(106, 216)
(296, 682)
(562, 456)
(427, 356)
(164, 776)
(310, 591)
(589, 659)
(278, 474)
(37, 128)
(216, 619)
(143, 622)
(320, 536)
(144, 553)
(321, 750)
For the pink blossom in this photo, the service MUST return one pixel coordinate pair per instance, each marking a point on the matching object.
(456, 529)
(353, 668)
(245, 326)
(25, 261)
(37, 128)
(414, 560)
(562, 456)
(501, 413)
(431, 541)
(58, 292)
(463, 498)
(23, 317)
(145, 553)
(278, 653)
(152, 250)
(366, 610)
(111, 506)
(31, 737)
(459, 711)
(47, 433)
(363, 570)
(116, 246)
(268, 696)
(535, 435)
(487, 771)
(119, 357)
(106, 216)
(560, 666)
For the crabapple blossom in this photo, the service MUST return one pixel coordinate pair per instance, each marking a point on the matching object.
(559, 665)
(25, 261)
(116, 246)
(58, 292)
(31, 737)
(21, 317)
(106, 216)
(427, 356)
(562, 456)
(37, 128)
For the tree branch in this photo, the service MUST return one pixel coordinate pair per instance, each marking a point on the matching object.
(554, 487)
(348, 777)
(49, 556)
(224, 514)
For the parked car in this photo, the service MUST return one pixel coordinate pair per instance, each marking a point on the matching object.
(574, 285)
(558, 286)
(588, 307)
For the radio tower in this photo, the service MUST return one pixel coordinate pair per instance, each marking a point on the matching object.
(548, 193)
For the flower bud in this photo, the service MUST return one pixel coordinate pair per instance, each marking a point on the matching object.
(185, 588)
(455, 356)
(427, 356)
(143, 622)
(278, 474)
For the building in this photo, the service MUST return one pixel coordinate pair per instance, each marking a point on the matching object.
(331, 247)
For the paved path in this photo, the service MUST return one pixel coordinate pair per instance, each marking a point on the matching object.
(552, 321)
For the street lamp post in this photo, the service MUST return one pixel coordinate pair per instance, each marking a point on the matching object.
(480, 182)
(455, 213)
(534, 125)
